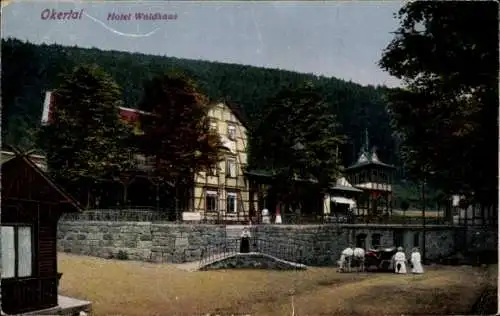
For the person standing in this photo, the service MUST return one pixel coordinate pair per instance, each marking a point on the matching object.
(278, 219)
(266, 219)
(416, 262)
(400, 261)
(245, 241)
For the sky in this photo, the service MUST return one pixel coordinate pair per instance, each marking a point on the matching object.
(334, 39)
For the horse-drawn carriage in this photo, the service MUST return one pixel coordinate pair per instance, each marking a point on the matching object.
(370, 260)
(380, 259)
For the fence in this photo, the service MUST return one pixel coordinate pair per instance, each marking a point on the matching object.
(132, 215)
(215, 251)
(167, 215)
(147, 214)
(152, 215)
(219, 218)
(290, 250)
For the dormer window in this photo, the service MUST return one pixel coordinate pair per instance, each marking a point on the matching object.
(362, 158)
(231, 132)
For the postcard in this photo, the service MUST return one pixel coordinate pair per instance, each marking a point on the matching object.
(249, 158)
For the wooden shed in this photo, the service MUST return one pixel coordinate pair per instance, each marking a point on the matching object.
(31, 207)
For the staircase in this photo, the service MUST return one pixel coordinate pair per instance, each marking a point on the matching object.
(234, 231)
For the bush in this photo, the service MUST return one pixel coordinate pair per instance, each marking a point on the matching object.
(122, 255)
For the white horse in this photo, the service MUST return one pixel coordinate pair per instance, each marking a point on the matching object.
(350, 255)
(359, 257)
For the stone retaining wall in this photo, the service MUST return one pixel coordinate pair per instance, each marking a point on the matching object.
(144, 241)
(320, 245)
(166, 242)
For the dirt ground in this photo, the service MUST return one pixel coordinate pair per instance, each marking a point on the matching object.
(134, 288)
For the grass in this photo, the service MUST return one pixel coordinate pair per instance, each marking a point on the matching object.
(133, 288)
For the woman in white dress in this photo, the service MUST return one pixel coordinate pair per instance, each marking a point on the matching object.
(416, 262)
(400, 261)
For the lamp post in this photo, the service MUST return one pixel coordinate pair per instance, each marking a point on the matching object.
(423, 220)
(298, 150)
(423, 213)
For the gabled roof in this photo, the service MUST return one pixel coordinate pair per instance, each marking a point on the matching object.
(127, 114)
(368, 157)
(50, 182)
(39, 160)
(132, 115)
(236, 110)
(368, 162)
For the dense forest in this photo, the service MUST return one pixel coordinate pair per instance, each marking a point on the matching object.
(29, 70)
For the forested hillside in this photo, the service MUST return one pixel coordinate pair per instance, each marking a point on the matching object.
(29, 70)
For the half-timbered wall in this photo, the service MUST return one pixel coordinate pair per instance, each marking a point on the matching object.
(228, 180)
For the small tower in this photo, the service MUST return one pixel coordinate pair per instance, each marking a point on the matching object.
(375, 178)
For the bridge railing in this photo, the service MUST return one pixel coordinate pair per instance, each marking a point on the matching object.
(289, 250)
(214, 251)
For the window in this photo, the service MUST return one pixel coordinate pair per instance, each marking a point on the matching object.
(140, 159)
(398, 238)
(383, 177)
(17, 251)
(231, 168)
(376, 240)
(211, 198)
(231, 202)
(231, 132)
(361, 177)
(360, 241)
(416, 239)
(213, 126)
(213, 171)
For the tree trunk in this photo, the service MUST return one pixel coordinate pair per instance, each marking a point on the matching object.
(125, 193)
(88, 193)
(176, 197)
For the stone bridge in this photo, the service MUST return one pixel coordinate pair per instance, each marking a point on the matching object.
(251, 260)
